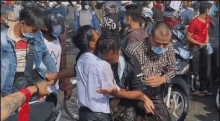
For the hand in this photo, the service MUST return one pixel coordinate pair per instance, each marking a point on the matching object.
(155, 81)
(113, 91)
(51, 76)
(68, 94)
(148, 105)
(114, 102)
(43, 92)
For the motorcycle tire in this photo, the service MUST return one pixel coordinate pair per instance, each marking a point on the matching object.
(185, 105)
(67, 107)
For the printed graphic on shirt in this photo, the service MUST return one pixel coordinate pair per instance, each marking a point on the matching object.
(108, 22)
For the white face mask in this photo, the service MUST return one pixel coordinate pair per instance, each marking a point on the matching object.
(87, 7)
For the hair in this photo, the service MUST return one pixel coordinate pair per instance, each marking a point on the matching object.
(70, 3)
(195, 6)
(135, 12)
(164, 28)
(82, 38)
(107, 43)
(32, 16)
(204, 5)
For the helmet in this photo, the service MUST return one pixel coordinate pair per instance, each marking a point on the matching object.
(111, 6)
(122, 2)
(28, 3)
(52, 19)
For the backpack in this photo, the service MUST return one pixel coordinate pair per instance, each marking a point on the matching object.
(85, 17)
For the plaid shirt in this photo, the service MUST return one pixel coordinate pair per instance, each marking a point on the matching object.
(64, 84)
(153, 64)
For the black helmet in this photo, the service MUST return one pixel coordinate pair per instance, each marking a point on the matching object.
(85, 3)
(28, 3)
(112, 6)
(52, 19)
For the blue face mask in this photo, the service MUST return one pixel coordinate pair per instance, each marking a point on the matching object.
(212, 11)
(158, 50)
(28, 35)
(57, 30)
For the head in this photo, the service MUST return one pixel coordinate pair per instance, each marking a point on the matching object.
(85, 5)
(161, 37)
(54, 24)
(59, 2)
(110, 7)
(30, 20)
(26, 4)
(185, 4)
(133, 14)
(86, 38)
(12, 3)
(195, 6)
(7, 13)
(109, 48)
(205, 8)
(166, 3)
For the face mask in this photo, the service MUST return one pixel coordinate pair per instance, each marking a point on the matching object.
(158, 50)
(87, 7)
(28, 35)
(212, 11)
(57, 30)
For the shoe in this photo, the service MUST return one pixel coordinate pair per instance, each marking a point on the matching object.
(201, 95)
(204, 91)
(196, 93)
(209, 94)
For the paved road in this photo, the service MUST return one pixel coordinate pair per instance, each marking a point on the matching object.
(200, 108)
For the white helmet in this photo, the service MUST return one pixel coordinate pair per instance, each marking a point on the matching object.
(122, 2)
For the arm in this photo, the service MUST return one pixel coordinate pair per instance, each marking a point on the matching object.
(10, 103)
(77, 21)
(95, 21)
(171, 72)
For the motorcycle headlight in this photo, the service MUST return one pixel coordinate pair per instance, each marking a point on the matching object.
(183, 53)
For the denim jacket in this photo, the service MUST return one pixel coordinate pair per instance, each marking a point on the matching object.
(9, 60)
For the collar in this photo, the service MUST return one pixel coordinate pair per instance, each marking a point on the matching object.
(11, 35)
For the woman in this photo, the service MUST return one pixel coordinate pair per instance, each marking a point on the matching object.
(92, 73)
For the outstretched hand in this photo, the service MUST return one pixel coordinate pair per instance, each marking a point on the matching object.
(113, 91)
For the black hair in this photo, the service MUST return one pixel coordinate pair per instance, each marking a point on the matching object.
(195, 6)
(158, 25)
(82, 38)
(107, 43)
(70, 3)
(32, 16)
(204, 5)
(135, 12)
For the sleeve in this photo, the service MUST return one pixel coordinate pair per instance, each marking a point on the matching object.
(64, 83)
(77, 22)
(171, 72)
(192, 26)
(136, 82)
(48, 61)
(95, 21)
(106, 77)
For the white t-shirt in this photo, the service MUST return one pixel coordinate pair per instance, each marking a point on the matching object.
(54, 49)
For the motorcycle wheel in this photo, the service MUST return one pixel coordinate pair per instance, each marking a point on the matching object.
(178, 105)
(217, 99)
(71, 105)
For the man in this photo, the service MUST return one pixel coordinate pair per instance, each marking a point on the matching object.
(15, 43)
(157, 58)
(59, 8)
(186, 13)
(122, 13)
(6, 12)
(109, 23)
(199, 39)
(133, 20)
(86, 16)
(127, 73)
(10, 103)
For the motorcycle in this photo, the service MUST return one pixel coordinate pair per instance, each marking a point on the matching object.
(71, 105)
(176, 93)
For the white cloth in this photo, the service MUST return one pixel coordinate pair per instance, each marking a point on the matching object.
(54, 49)
(121, 66)
(209, 48)
(93, 73)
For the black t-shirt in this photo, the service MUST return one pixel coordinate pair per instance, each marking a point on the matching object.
(109, 24)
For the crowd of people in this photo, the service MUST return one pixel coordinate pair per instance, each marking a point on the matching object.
(120, 68)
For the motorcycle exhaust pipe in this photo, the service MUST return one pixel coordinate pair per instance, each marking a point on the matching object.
(168, 96)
